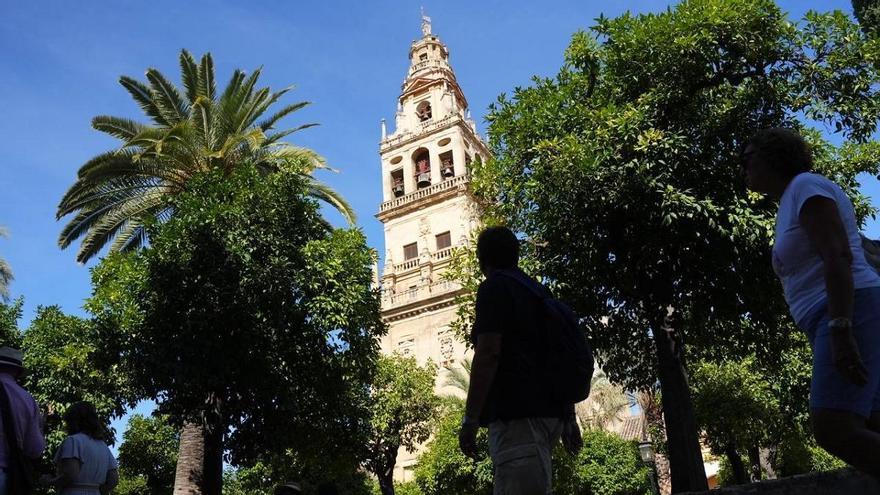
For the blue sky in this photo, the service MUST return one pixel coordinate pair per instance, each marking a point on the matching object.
(61, 62)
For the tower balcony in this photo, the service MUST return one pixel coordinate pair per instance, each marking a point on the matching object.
(422, 294)
(419, 198)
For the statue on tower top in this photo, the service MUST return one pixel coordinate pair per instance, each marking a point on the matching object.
(426, 23)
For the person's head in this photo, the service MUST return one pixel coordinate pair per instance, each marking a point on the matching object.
(497, 249)
(772, 157)
(81, 417)
(11, 361)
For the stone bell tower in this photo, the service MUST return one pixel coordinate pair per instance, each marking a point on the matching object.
(426, 210)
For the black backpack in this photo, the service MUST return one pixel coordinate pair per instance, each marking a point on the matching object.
(569, 363)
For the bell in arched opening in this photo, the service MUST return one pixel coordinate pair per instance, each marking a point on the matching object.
(423, 169)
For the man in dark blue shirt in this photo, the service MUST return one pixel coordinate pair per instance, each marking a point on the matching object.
(508, 390)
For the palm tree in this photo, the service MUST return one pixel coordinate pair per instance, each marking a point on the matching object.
(457, 378)
(605, 406)
(5, 272)
(118, 192)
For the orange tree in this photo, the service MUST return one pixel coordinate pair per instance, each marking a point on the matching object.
(622, 173)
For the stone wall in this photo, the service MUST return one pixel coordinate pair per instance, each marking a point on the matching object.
(842, 482)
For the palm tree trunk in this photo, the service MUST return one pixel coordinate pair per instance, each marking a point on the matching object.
(199, 461)
(190, 460)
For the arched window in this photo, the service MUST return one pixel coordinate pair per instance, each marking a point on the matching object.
(422, 167)
(423, 111)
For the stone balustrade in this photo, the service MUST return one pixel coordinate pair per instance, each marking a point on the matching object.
(442, 254)
(424, 192)
(420, 292)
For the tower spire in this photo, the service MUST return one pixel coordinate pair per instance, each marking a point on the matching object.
(426, 24)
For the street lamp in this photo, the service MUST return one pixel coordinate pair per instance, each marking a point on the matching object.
(646, 452)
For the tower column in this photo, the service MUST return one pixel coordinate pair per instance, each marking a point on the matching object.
(435, 164)
(386, 181)
(409, 172)
(458, 153)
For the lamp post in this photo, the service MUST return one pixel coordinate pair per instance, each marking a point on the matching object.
(646, 451)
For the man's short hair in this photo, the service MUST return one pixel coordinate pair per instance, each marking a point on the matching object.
(784, 150)
(498, 247)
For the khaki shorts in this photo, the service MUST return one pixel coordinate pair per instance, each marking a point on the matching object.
(520, 450)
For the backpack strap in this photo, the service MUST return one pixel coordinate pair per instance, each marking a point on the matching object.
(533, 287)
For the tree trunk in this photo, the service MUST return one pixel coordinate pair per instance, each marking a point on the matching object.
(213, 467)
(386, 482)
(190, 460)
(768, 461)
(685, 457)
(755, 463)
(199, 461)
(736, 465)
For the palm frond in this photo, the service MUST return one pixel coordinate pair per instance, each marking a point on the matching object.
(132, 236)
(202, 117)
(273, 138)
(207, 84)
(141, 94)
(6, 275)
(305, 159)
(167, 97)
(190, 75)
(117, 127)
(262, 104)
(110, 223)
(280, 114)
(118, 194)
(6, 278)
(325, 193)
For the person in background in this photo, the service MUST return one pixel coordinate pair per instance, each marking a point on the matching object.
(832, 292)
(22, 441)
(84, 463)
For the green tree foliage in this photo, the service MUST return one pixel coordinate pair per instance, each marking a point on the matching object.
(5, 272)
(118, 193)
(261, 479)
(148, 455)
(607, 465)
(403, 405)
(62, 358)
(246, 281)
(736, 408)
(442, 468)
(10, 313)
(868, 14)
(622, 171)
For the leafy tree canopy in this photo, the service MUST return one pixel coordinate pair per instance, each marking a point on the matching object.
(868, 14)
(403, 407)
(622, 170)
(607, 465)
(442, 468)
(148, 455)
(249, 314)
